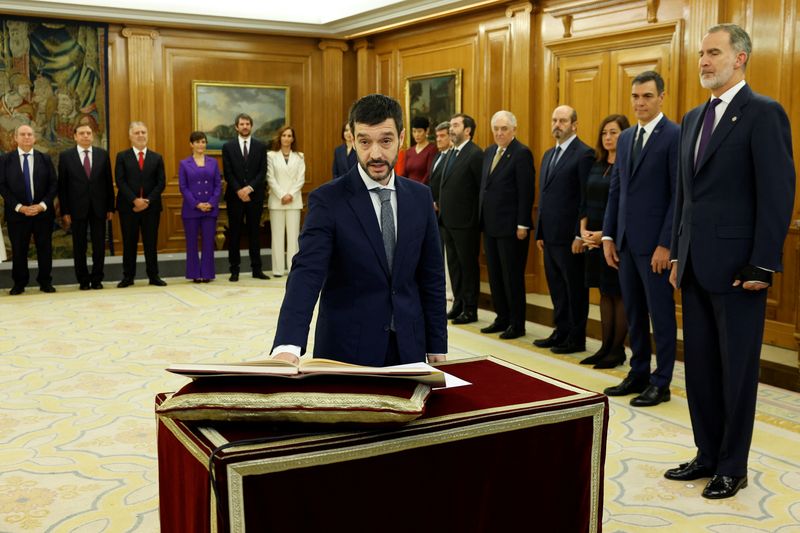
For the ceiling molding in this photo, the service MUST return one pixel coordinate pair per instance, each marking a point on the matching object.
(370, 22)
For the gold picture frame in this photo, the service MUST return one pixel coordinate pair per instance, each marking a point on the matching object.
(216, 104)
(435, 95)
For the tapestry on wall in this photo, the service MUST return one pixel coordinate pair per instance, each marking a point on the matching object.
(53, 76)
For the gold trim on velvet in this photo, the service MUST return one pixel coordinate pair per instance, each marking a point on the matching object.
(237, 471)
(316, 407)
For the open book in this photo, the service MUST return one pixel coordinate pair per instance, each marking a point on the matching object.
(421, 372)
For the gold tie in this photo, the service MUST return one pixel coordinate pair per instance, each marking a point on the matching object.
(496, 159)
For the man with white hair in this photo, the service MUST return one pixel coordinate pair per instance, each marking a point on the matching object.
(506, 202)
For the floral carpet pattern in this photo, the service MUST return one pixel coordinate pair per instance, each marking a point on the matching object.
(79, 370)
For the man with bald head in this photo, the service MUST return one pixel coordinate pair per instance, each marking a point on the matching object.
(564, 168)
(28, 184)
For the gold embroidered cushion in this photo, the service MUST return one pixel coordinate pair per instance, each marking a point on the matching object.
(317, 399)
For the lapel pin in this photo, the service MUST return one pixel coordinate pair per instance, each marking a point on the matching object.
(733, 119)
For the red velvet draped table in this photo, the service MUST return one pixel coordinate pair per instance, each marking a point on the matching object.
(514, 451)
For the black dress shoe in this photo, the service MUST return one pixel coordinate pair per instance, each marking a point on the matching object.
(494, 327)
(568, 347)
(553, 340)
(613, 359)
(260, 275)
(651, 396)
(629, 385)
(689, 471)
(724, 486)
(158, 282)
(97, 285)
(84, 286)
(454, 311)
(513, 332)
(124, 282)
(466, 318)
(595, 357)
(47, 288)
(16, 290)
(234, 276)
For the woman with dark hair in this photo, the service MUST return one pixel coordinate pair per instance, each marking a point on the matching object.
(598, 274)
(344, 156)
(200, 184)
(419, 157)
(286, 174)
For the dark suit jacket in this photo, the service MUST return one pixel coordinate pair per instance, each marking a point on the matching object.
(239, 173)
(78, 195)
(735, 209)
(435, 181)
(558, 220)
(12, 184)
(507, 193)
(133, 183)
(342, 162)
(460, 189)
(641, 200)
(342, 255)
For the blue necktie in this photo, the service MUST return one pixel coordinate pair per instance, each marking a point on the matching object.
(26, 174)
(708, 129)
(637, 147)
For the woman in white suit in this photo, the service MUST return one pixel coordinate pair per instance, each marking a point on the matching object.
(286, 174)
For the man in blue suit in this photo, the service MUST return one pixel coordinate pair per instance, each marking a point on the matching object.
(564, 168)
(370, 252)
(636, 238)
(734, 202)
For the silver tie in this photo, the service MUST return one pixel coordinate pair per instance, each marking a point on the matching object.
(387, 224)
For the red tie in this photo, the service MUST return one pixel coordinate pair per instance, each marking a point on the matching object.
(87, 166)
(141, 160)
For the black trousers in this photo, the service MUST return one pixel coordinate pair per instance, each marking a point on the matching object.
(131, 223)
(247, 214)
(20, 232)
(463, 248)
(722, 336)
(96, 226)
(505, 260)
(565, 279)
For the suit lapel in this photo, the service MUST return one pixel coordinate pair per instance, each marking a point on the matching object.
(361, 204)
(559, 163)
(729, 119)
(651, 141)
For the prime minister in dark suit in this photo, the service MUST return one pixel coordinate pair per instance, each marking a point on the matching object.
(28, 184)
(636, 238)
(734, 203)
(369, 250)
(86, 196)
(244, 167)
(139, 173)
(459, 194)
(564, 168)
(506, 203)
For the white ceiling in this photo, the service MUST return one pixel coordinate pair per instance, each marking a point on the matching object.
(322, 18)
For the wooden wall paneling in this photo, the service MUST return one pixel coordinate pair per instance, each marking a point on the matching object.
(384, 77)
(366, 73)
(626, 64)
(583, 85)
(332, 107)
(495, 89)
(520, 82)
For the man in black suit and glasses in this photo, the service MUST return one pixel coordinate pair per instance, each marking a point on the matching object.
(244, 166)
(86, 196)
(139, 172)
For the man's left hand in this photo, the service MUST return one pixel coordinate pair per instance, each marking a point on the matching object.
(437, 358)
(521, 234)
(660, 261)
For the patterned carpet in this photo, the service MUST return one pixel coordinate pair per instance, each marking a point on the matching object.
(78, 372)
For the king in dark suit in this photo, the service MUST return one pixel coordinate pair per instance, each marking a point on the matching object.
(139, 173)
(459, 194)
(86, 196)
(736, 184)
(369, 250)
(28, 184)
(636, 237)
(506, 203)
(564, 168)
(244, 167)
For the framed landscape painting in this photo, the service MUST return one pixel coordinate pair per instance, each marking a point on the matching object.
(215, 106)
(436, 95)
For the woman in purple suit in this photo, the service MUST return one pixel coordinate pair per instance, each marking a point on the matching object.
(200, 185)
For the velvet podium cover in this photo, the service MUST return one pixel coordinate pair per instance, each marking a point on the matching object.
(516, 450)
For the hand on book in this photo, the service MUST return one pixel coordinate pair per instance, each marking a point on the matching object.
(286, 356)
(436, 358)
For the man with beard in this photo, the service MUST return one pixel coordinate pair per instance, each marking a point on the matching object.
(369, 250)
